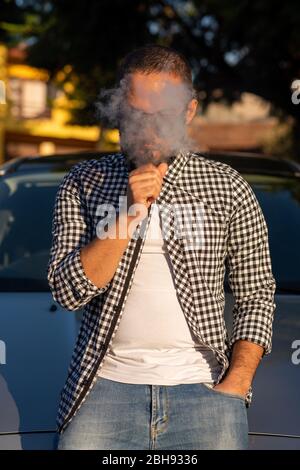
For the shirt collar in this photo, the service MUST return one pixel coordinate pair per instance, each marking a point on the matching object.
(175, 164)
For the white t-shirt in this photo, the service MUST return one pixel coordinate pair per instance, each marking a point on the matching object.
(153, 343)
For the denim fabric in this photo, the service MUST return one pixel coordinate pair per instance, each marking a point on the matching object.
(119, 416)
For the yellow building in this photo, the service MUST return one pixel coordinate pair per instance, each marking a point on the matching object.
(34, 114)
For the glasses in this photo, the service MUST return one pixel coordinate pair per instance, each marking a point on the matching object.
(136, 115)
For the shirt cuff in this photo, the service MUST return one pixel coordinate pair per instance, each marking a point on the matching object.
(76, 279)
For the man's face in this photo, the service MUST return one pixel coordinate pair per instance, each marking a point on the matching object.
(154, 116)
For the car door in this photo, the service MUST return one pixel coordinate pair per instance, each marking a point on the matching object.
(37, 336)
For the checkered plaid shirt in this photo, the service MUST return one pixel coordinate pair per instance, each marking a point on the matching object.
(233, 233)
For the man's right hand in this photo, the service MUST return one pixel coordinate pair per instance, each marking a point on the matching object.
(100, 258)
(144, 184)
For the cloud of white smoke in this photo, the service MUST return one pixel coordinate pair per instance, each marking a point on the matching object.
(148, 136)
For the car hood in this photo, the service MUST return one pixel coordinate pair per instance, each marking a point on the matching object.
(275, 403)
(37, 339)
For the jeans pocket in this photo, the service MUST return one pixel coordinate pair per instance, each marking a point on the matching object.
(210, 387)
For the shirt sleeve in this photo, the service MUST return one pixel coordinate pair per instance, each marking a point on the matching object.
(69, 285)
(250, 274)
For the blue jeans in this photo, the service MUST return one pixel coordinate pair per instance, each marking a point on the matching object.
(119, 416)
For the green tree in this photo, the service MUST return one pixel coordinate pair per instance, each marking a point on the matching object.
(233, 47)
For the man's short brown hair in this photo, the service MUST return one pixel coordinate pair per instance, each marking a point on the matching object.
(155, 58)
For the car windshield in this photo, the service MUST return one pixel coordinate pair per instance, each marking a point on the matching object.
(26, 207)
(279, 198)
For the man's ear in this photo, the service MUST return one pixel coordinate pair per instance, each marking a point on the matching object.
(191, 111)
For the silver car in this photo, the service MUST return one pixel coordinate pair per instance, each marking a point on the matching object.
(37, 336)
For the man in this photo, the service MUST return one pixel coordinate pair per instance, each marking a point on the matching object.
(153, 366)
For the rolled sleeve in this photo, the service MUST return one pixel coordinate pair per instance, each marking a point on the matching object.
(250, 272)
(68, 282)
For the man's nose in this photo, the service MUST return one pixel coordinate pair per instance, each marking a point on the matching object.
(151, 125)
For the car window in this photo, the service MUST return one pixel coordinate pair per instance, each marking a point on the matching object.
(26, 205)
(27, 202)
(279, 198)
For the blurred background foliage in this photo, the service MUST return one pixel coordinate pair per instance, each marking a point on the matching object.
(233, 48)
